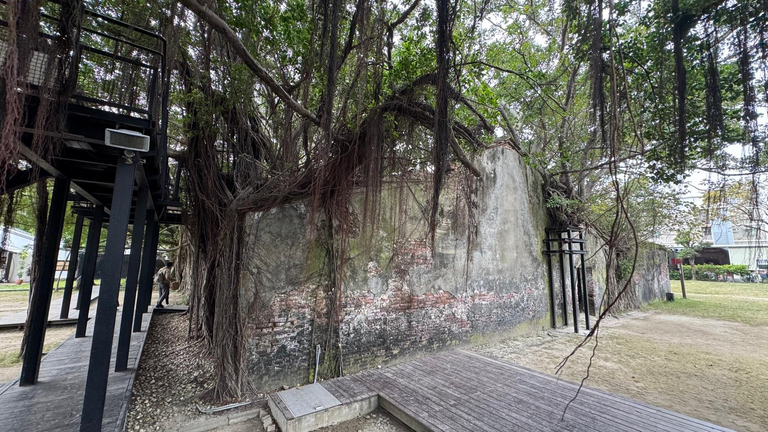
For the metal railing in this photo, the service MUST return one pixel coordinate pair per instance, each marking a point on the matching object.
(121, 67)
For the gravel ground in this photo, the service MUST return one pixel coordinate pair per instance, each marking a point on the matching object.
(174, 378)
(176, 375)
(377, 421)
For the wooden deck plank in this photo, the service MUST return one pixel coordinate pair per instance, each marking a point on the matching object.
(55, 402)
(606, 401)
(563, 391)
(19, 319)
(424, 394)
(488, 398)
(464, 391)
(543, 400)
(537, 406)
(485, 398)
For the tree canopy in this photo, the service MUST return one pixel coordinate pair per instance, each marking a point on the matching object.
(613, 103)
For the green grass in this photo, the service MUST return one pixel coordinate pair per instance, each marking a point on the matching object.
(718, 300)
(14, 287)
(8, 359)
(736, 289)
(25, 285)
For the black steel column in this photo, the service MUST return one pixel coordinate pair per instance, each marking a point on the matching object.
(40, 303)
(552, 310)
(104, 328)
(147, 270)
(71, 268)
(574, 298)
(562, 277)
(129, 299)
(89, 270)
(584, 278)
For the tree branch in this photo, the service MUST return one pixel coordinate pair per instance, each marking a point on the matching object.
(237, 45)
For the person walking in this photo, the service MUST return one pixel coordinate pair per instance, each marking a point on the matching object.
(163, 279)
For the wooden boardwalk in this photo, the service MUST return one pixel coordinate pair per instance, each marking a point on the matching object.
(464, 391)
(19, 319)
(55, 402)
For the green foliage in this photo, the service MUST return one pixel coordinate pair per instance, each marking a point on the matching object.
(563, 204)
(711, 272)
(623, 269)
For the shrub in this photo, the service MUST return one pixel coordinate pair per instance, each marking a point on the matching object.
(711, 272)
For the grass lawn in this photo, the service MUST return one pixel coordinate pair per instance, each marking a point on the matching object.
(25, 285)
(744, 303)
(734, 289)
(14, 287)
(705, 356)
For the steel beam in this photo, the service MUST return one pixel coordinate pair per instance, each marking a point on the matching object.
(71, 268)
(585, 290)
(562, 277)
(574, 298)
(104, 328)
(551, 277)
(147, 270)
(22, 179)
(89, 270)
(129, 298)
(44, 164)
(40, 303)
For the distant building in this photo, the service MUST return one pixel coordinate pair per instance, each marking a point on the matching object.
(11, 262)
(737, 241)
(16, 257)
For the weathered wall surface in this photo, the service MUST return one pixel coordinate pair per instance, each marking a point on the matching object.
(651, 278)
(486, 275)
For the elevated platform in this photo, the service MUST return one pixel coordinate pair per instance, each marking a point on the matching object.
(95, 115)
(462, 391)
(55, 402)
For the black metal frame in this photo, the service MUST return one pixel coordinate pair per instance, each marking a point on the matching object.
(40, 303)
(104, 328)
(89, 270)
(131, 281)
(101, 175)
(72, 268)
(561, 241)
(149, 256)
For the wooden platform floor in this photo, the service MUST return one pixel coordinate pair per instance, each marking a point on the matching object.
(19, 319)
(463, 391)
(55, 402)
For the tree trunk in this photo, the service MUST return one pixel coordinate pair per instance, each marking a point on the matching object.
(693, 268)
(41, 224)
(613, 285)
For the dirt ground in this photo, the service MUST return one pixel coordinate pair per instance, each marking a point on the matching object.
(16, 301)
(712, 370)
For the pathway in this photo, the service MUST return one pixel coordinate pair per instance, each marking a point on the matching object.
(55, 402)
(18, 319)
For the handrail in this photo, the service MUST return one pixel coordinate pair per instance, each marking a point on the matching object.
(159, 84)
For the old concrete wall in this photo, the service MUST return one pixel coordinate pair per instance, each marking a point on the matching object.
(400, 298)
(651, 279)
(486, 276)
